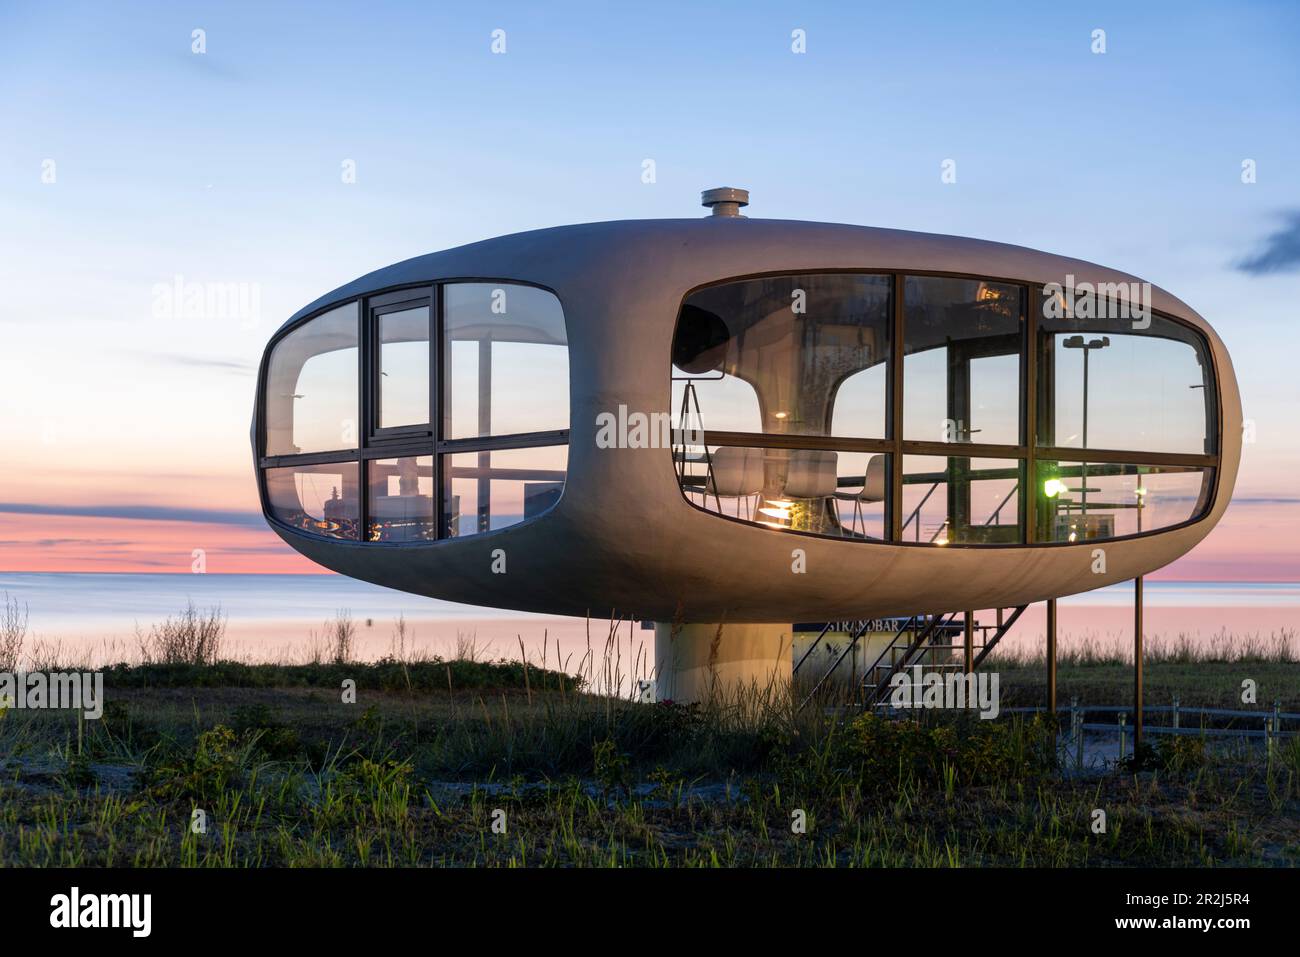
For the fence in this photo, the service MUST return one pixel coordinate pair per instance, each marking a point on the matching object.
(1271, 731)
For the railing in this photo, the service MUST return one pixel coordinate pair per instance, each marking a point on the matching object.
(1271, 732)
(916, 513)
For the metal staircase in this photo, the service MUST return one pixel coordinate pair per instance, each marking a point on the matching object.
(923, 640)
(898, 656)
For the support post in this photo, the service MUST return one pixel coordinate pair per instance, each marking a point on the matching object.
(969, 644)
(1137, 665)
(1051, 656)
(1076, 723)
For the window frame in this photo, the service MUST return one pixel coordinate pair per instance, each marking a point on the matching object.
(401, 441)
(378, 307)
(1027, 453)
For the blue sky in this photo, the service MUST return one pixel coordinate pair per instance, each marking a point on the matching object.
(225, 167)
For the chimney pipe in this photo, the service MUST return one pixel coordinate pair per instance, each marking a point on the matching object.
(725, 200)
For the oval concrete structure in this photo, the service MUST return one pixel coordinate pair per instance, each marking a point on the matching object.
(622, 539)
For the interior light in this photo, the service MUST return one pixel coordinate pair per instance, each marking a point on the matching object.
(1053, 487)
(781, 415)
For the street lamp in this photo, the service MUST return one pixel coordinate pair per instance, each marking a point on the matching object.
(1078, 342)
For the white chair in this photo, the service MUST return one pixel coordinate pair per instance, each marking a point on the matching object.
(735, 473)
(811, 474)
(873, 490)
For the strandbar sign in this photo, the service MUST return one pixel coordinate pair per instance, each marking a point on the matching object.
(64, 691)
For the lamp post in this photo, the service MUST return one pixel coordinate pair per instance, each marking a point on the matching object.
(1087, 345)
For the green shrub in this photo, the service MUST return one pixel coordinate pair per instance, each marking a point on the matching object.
(966, 752)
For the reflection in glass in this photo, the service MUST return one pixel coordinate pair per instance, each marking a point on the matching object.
(801, 354)
(403, 367)
(841, 494)
(506, 360)
(311, 386)
(1081, 501)
(961, 373)
(400, 507)
(959, 500)
(486, 491)
(318, 499)
(1105, 385)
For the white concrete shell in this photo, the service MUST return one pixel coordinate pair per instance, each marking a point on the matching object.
(623, 539)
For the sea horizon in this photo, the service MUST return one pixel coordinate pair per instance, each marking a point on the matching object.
(277, 616)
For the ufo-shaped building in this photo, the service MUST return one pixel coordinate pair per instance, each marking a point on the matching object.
(727, 425)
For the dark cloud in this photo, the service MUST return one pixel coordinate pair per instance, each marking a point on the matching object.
(154, 513)
(1280, 252)
(53, 542)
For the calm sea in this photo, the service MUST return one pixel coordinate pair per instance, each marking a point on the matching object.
(273, 612)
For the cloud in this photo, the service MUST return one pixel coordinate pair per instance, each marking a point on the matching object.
(58, 542)
(150, 513)
(239, 366)
(1281, 250)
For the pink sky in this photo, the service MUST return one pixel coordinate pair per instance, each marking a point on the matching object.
(1256, 541)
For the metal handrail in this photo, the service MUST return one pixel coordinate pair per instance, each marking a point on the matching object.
(997, 512)
(820, 635)
(917, 644)
(916, 513)
(831, 670)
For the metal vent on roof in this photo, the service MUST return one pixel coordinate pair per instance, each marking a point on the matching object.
(725, 200)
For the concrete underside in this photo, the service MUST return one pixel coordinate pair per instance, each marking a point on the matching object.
(743, 663)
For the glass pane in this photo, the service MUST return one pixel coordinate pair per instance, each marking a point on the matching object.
(486, 491)
(840, 494)
(801, 355)
(320, 499)
(401, 500)
(1079, 501)
(404, 368)
(1104, 384)
(507, 359)
(311, 386)
(960, 500)
(961, 374)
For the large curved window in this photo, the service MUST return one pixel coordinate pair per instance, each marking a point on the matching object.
(895, 407)
(318, 499)
(1081, 501)
(1120, 384)
(961, 378)
(804, 357)
(508, 360)
(420, 414)
(310, 400)
(792, 355)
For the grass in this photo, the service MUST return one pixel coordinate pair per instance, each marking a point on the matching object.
(289, 775)
(466, 762)
(1198, 672)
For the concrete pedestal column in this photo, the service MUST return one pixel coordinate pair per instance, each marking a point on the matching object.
(694, 662)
